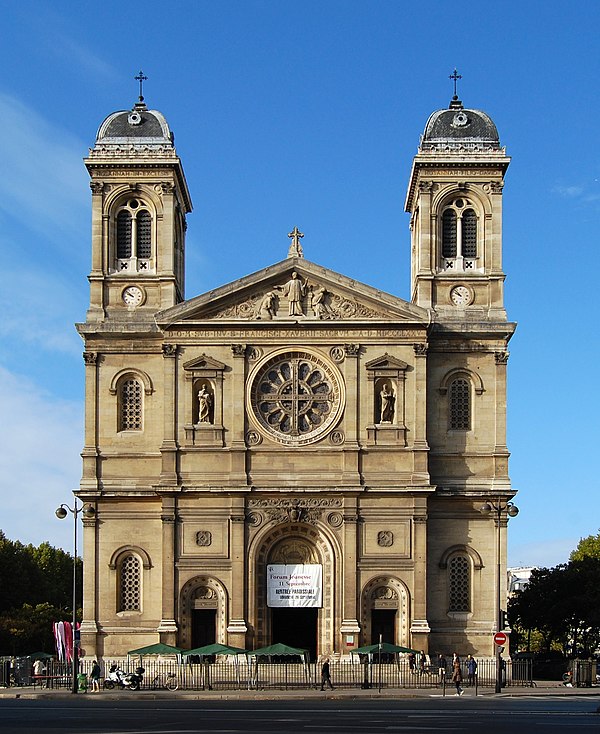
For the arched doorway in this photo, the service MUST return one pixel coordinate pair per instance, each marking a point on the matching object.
(203, 613)
(385, 612)
(309, 627)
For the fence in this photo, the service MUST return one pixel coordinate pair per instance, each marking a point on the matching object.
(230, 673)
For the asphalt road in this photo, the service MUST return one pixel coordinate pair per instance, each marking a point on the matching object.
(103, 716)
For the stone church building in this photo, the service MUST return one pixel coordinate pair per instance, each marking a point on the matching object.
(294, 456)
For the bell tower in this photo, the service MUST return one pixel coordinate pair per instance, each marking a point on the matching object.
(455, 202)
(139, 204)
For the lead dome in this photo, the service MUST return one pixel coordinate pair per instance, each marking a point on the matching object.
(459, 128)
(138, 127)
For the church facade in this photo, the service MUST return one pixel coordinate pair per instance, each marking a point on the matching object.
(294, 456)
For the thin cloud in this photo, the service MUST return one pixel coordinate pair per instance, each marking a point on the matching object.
(544, 554)
(569, 192)
(45, 186)
(41, 438)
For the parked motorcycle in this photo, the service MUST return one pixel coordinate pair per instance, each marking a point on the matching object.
(117, 677)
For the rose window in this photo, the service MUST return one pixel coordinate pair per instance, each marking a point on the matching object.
(295, 397)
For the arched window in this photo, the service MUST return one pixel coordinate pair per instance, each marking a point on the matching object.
(459, 405)
(130, 406)
(459, 235)
(130, 584)
(134, 233)
(459, 584)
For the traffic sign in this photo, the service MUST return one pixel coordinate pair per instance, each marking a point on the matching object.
(500, 638)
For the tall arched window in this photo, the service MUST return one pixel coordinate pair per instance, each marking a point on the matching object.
(459, 405)
(130, 584)
(134, 234)
(459, 235)
(130, 405)
(459, 584)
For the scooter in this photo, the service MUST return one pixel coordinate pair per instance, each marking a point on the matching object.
(117, 677)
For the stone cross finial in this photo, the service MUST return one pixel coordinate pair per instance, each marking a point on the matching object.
(295, 248)
(456, 76)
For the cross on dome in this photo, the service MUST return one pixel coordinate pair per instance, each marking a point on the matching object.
(295, 248)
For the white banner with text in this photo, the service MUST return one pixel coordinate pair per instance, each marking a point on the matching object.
(291, 585)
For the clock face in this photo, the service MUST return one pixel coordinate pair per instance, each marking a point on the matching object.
(132, 295)
(460, 295)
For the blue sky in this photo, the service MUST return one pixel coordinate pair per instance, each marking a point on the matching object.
(304, 114)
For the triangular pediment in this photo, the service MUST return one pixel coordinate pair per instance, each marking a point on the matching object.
(294, 290)
(386, 362)
(204, 363)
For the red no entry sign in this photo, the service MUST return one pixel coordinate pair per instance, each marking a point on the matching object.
(500, 638)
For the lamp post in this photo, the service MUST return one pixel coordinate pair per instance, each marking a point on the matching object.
(497, 509)
(88, 512)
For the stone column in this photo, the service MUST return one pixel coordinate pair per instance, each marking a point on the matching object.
(420, 627)
(168, 449)
(350, 591)
(237, 628)
(89, 625)
(237, 420)
(351, 422)
(89, 479)
(501, 453)
(168, 626)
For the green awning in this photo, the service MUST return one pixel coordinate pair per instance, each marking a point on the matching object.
(385, 647)
(278, 649)
(157, 649)
(215, 649)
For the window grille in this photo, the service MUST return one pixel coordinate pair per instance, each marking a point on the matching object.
(130, 584)
(130, 413)
(123, 234)
(144, 235)
(469, 234)
(460, 586)
(449, 238)
(460, 405)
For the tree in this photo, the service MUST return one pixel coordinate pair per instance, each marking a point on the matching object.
(36, 589)
(589, 546)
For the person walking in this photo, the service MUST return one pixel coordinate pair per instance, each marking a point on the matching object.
(471, 669)
(325, 675)
(95, 677)
(457, 674)
(442, 667)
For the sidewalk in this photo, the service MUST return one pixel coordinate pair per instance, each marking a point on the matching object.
(543, 688)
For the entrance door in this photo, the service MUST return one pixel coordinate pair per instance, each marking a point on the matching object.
(296, 627)
(203, 627)
(383, 622)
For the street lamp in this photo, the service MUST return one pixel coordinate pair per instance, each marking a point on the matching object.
(88, 512)
(497, 508)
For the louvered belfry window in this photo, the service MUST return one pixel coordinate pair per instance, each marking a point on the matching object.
(460, 405)
(449, 236)
(469, 233)
(123, 234)
(144, 235)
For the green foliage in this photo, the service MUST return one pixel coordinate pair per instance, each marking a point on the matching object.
(36, 589)
(561, 607)
(587, 547)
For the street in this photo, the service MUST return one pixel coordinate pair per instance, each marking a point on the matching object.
(494, 716)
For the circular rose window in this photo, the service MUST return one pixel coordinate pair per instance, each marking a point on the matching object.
(295, 397)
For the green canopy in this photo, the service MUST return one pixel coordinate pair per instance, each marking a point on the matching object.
(156, 649)
(39, 656)
(215, 649)
(278, 649)
(384, 647)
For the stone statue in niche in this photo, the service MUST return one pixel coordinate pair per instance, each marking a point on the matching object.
(294, 290)
(204, 404)
(267, 307)
(318, 302)
(387, 401)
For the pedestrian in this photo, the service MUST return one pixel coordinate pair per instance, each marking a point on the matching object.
(422, 662)
(471, 669)
(325, 675)
(457, 674)
(411, 662)
(95, 677)
(442, 667)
